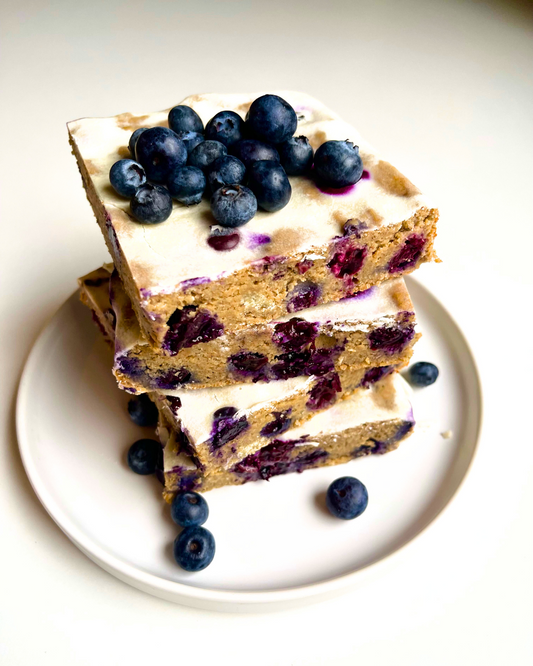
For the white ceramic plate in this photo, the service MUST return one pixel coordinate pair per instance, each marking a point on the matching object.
(276, 544)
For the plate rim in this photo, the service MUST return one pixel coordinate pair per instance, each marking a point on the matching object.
(205, 597)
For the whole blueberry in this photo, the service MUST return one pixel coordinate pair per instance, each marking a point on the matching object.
(206, 153)
(190, 139)
(233, 205)
(151, 204)
(142, 411)
(251, 150)
(296, 155)
(160, 151)
(270, 184)
(226, 127)
(423, 374)
(347, 498)
(144, 457)
(188, 509)
(187, 184)
(272, 119)
(133, 140)
(226, 170)
(126, 176)
(194, 548)
(338, 164)
(184, 118)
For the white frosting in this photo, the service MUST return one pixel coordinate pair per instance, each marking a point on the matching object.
(162, 256)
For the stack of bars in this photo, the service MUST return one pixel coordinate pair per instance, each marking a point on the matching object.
(282, 353)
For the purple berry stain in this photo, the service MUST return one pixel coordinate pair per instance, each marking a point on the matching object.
(249, 364)
(278, 458)
(257, 240)
(342, 191)
(408, 254)
(324, 392)
(224, 242)
(278, 425)
(189, 326)
(304, 295)
(226, 426)
(347, 260)
(173, 378)
(391, 339)
(373, 375)
(294, 334)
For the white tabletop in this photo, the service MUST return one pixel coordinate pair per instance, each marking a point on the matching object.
(443, 88)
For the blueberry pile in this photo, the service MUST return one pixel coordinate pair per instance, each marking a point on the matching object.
(241, 165)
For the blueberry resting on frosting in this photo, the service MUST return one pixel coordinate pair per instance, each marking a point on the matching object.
(190, 139)
(206, 153)
(133, 140)
(226, 127)
(226, 170)
(151, 204)
(296, 155)
(251, 150)
(338, 164)
(233, 205)
(126, 176)
(269, 182)
(186, 185)
(272, 119)
(160, 151)
(184, 118)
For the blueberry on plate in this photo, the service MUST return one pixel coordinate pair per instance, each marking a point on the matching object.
(126, 176)
(249, 151)
(133, 140)
(269, 182)
(142, 411)
(226, 170)
(206, 153)
(189, 509)
(183, 118)
(226, 127)
(144, 457)
(296, 155)
(338, 164)
(233, 205)
(347, 498)
(187, 184)
(272, 119)
(190, 139)
(151, 204)
(423, 374)
(194, 548)
(160, 151)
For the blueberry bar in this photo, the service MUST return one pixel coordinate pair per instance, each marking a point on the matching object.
(376, 328)
(372, 420)
(188, 284)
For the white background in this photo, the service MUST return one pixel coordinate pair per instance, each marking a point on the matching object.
(445, 90)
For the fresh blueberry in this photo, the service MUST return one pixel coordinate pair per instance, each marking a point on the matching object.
(226, 127)
(347, 498)
(183, 118)
(226, 170)
(269, 182)
(187, 184)
(338, 164)
(272, 119)
(206, 153)
(190, 139)
(423, 374)
(250, 151)
(142, 411)
(133, 140)
(144, 457)
(126, 176)
(233, 205)
(194, 548)
(296, 155)
(189, 509)
(160, 151)
(151, 204)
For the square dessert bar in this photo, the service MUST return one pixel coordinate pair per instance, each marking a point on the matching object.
(371, 421)
(376, 328)
(325, 245)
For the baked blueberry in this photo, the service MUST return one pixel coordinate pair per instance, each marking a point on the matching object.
(250, 151)
(183, 118)
(423, 374)
(144, 457)
(142, 411)
(233, 205)
(206, 153)
(338, 164)
(194, 548)
(190, 139)
(126, 176)
(187, 184)
(296, 155)
(133, 140)
(226, 170)
(160, 151)
(347, 498)
(151, 204)
(189, 508)
(272, 119)
(226, 127)
(270, 184)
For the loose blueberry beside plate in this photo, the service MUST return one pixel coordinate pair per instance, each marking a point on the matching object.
(226, 127)
(186, 185)
(272, 119)
(188, 509)
(347, 498)
(423, 374)
(151, 204)
(183, 118)
(296, 155)
(144, 456)
(206, 153)
(233, 205)
(338, 164)
(142, 411)
(194, 548)
(133, 140)
(269, 182)
(250, 151)
(126, 176)
(226, 170)
(160, 151)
